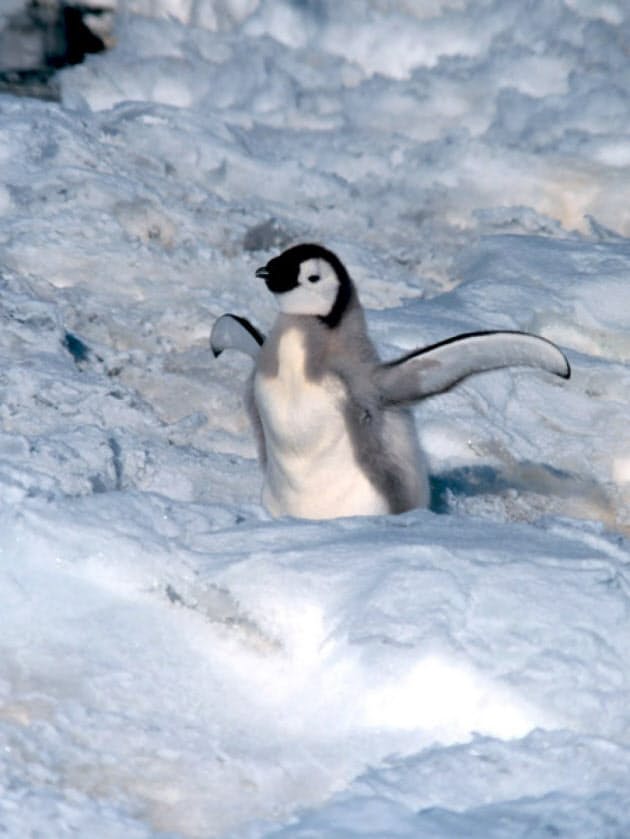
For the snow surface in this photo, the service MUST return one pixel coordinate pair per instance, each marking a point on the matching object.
(173, 663)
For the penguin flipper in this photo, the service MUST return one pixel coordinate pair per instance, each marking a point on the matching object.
(439, 367)
(232, 332)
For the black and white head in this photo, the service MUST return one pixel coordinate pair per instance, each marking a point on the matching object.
(309, 280)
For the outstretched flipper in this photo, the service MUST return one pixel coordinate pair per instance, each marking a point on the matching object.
(437, 368)
(231, 332)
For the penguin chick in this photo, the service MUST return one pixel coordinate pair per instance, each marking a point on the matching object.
(335, 434)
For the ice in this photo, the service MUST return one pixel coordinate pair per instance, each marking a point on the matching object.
(173, 662)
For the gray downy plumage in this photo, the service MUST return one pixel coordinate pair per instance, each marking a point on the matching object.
(322, 322)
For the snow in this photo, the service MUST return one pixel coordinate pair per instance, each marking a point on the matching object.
(175, 663)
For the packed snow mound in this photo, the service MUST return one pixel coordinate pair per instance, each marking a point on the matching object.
(537, 95)
(174, 663)
(212, 683)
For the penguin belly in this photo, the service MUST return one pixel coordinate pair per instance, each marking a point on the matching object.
(311, 470)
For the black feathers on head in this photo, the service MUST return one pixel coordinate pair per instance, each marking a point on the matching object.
(281, 275)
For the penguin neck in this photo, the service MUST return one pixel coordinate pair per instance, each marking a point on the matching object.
(345, 312)
(326, 348)
(332, 330)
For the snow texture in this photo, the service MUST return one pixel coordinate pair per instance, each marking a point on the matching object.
(175, 664)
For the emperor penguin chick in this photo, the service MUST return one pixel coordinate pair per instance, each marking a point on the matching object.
(336, 436)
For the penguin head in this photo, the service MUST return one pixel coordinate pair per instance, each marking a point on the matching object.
(309, 280)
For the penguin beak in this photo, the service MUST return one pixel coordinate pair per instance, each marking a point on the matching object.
(263, 273)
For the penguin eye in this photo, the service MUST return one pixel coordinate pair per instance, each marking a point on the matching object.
(314, 278)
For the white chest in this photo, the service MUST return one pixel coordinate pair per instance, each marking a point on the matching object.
(311, 470)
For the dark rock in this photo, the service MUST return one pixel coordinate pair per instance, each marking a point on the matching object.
(79, 40)
(43, 36)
